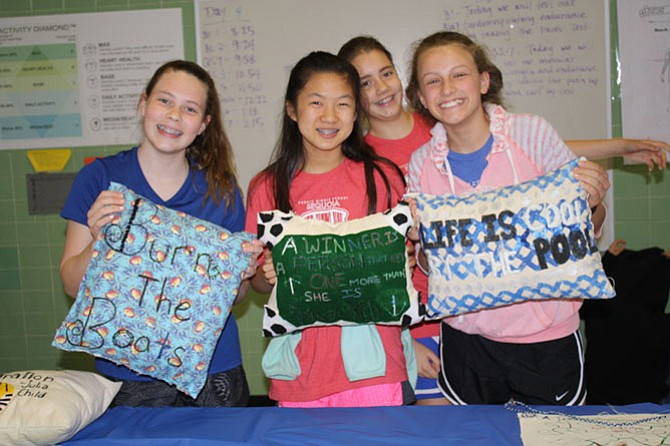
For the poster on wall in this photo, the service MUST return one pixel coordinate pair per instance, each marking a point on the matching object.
(75, 79)
(644, 51)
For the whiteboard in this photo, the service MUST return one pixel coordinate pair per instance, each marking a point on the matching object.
(553, 55)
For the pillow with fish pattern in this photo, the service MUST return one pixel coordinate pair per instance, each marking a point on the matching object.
(157, 293)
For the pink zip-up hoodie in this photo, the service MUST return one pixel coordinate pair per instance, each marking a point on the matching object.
(524, 147)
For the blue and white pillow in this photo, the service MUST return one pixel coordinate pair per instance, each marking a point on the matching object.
(533, 240)
(157, 293)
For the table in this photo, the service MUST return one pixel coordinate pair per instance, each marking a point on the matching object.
(407, 426)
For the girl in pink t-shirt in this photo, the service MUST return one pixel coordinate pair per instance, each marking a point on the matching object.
(322, 169)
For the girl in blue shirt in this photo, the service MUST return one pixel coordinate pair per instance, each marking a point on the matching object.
(185, 163)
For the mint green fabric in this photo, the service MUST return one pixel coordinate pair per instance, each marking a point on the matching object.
(279, 360)
(410, 356)
(362, 352)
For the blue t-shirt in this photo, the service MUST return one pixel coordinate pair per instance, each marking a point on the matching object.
(124, 168)
(470, 166)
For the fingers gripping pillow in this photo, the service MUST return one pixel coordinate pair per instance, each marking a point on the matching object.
(348, 273)
(533, 240)
(157, 293)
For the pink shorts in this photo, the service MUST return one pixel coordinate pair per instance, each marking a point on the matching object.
(379, 395)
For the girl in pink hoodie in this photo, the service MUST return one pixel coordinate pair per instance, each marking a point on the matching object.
(531, 351)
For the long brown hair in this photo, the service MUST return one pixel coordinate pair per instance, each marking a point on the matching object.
(211, 151)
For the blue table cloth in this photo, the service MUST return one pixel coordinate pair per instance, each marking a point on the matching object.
(407, 426)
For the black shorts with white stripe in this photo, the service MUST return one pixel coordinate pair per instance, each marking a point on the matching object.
(476, 370)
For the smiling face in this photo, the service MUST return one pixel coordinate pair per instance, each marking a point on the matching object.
(450, 87)
(325, 111)
(174, 112)
(381, 87)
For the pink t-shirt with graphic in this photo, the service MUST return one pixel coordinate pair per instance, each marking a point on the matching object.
(335, 196)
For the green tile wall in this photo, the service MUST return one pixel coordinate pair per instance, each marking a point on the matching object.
(31, 246)
(641, 199)
(642, 206)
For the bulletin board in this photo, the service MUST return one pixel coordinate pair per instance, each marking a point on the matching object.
(645, 75)
(75, 79)
(553, 55)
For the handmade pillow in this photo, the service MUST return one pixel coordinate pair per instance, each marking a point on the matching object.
(532, 240)
(157, 293)
(348, 273)
(45, 407)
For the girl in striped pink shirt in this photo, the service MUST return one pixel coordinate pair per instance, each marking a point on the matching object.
(531, 351)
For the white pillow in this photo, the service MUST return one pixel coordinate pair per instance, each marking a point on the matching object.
(44, 407)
